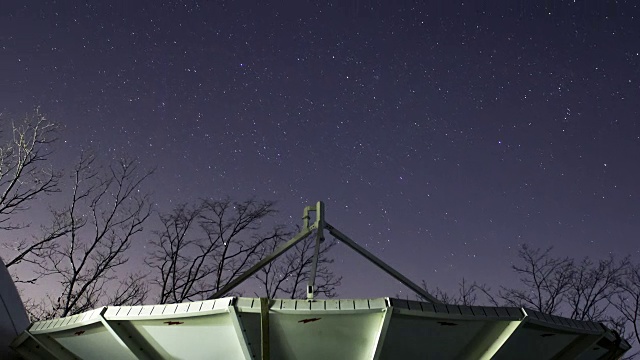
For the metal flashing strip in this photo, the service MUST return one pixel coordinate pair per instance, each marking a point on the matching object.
(562, 323)
(419, 308)
(342, 306)
(69, 322)
(188, 309)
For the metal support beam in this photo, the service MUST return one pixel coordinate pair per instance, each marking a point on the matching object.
(51, 349)
(384, 326)
(274, 255)
(489, 340)
(264, 329)
(306, 217)
(381, 264)
(320, 224)
(319, 239)
(141, 351)
(580, 345)
(240, 331)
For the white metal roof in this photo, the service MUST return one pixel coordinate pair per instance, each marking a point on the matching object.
(382, 328)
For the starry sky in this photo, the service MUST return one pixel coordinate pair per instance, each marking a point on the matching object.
(440, 134)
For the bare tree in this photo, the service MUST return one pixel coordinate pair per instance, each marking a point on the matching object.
(25, 175)
(105, 212)
(467, 294)
(593, 285)
(627, 302)
(605, 291)
(175, 269)
(545, 279)
(553, 285)
(289, 274)
(27, 251)
(202, 248)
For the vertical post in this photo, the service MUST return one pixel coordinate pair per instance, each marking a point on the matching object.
(264, 328)
(306, 216)
(319, 239)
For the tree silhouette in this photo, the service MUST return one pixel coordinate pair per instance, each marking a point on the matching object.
(24, 176)
(105, 213)
(203, 247)
(289, 274)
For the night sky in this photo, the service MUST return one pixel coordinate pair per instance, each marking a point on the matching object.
(440, 134)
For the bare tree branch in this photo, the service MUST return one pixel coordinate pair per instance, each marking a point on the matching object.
(467, 294)
(105, 213)
(289, 274)
(133, 290)
(24, 176)
(605, 291)
(546, 280)
(627, 300)
(593, 285)
(25, 250)
(202, 248)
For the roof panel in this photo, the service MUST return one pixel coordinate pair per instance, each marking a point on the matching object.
(322, 329)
